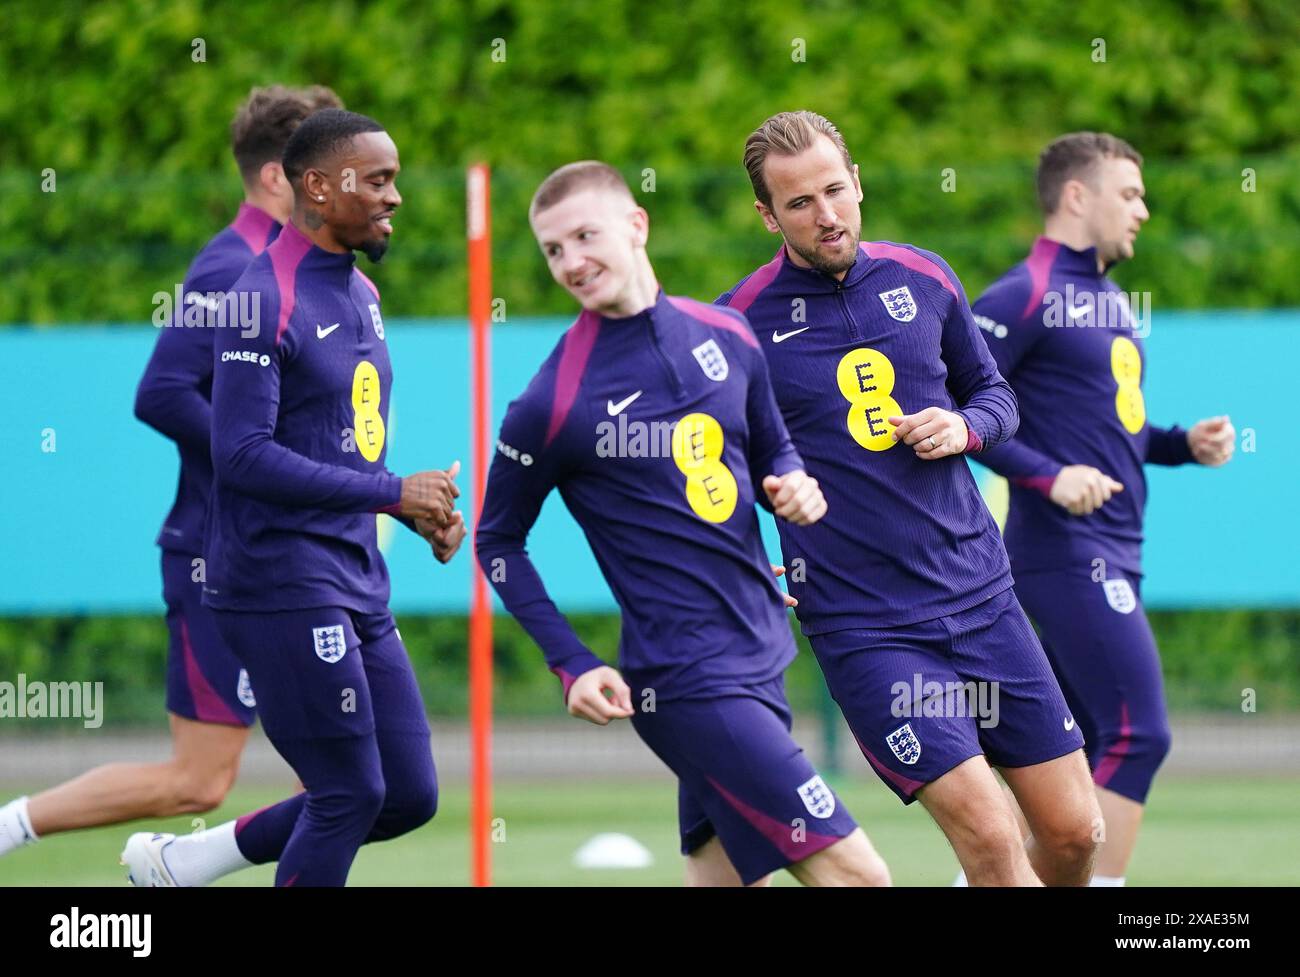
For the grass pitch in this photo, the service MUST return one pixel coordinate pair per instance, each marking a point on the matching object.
(1202, 831)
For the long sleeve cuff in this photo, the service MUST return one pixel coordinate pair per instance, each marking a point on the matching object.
(1022, 466)
(393, 506)
(974, 442)
(571, 669)
(1169, 446)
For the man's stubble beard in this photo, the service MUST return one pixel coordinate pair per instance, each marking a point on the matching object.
(375, 250)
(821, 264)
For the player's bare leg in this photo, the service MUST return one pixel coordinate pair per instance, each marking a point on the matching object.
(968, 806)
(709, 865)
(205, 760)
(1015, 809)
(1060, 807)
(1122, 817)
(1021, 823)
(851, 861)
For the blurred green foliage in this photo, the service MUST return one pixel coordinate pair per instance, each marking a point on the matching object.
(1209, 657)
(109, 96)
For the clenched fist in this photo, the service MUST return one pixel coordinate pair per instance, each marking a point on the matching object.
(445, 540)
(1212, 440)
(795, 496)
(1081, 489)
(430, 495)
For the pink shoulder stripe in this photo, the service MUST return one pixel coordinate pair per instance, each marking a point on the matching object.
(908, 259)
(287, 253)
(578, 342)
(252, 224)
(712, 315)
(745, 295)
(365, 278)
(1039, 264)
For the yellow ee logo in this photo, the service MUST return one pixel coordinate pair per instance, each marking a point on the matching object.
(366, 419)
(866, 380)
(1126, 365)
(697, 450)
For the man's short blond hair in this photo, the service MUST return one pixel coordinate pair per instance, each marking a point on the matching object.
(586, 174)
(787, 134)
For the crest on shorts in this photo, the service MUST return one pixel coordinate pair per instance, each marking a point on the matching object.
(905, 744)
(331, 645)
(711, 360)
(1119, 595)
(817, 797)
(376, 320)
(900, 304)
(245, 690)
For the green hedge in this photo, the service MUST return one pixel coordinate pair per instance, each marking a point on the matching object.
(1209, 658)
(108, 96)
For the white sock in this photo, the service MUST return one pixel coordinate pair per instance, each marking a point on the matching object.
(15, 826)
(205, 856)
(1101, 881)
(960, 881)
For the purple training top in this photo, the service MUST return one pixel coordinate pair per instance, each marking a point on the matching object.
(175, 393)
(904, 540)
(1063, 335)
(657, 429)
(299, 412)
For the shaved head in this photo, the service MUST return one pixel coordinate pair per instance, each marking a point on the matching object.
(587, 174)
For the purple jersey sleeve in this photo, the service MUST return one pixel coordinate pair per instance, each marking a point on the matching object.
(984, 399)
(170, 396)
(529, 462)
(771, 451)
(245, 404)
(1168, 446)
(1016, 329)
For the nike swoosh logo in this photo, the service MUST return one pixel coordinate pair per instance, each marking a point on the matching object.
(615, 409)
(1069, 724)
(779, 337)
(322, 333)
(1079, 310)
(195, 298)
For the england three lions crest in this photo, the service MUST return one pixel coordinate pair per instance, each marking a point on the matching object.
(900, 304)
(1120, 596)
(817, 797)
(712, 362)
(244, 689)
(905, 744)
(331, 644)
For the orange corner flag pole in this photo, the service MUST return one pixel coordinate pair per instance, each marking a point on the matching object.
(480, 619)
